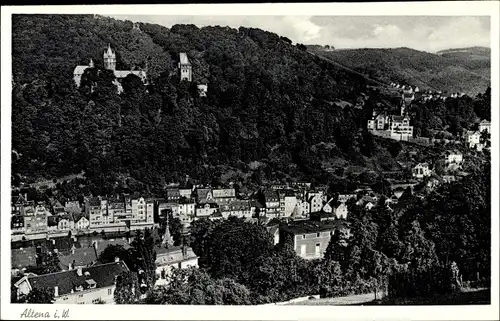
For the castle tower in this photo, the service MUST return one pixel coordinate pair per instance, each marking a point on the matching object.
(185, 67)
(109, 58)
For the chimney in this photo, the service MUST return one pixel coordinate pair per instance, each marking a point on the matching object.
(73, 249)
(56, 291)
(79, 271)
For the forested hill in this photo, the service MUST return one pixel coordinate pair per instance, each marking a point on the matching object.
(269, 105)
(466, 70)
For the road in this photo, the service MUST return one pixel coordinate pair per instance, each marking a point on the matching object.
(345, 300)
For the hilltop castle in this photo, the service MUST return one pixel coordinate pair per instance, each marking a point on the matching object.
(109, 58)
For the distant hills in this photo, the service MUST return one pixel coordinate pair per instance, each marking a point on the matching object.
(453, 70)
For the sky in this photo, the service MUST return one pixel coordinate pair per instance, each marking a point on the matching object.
(426, 33)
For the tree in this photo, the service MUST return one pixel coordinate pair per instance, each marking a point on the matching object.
(42, 296)
(195, 286)
(127, 288)
(113, 251)
(235, 246)
(142, 257)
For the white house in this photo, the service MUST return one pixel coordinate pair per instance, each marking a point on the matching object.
(485, 125)
(167, 259)
(341, 211)
(453, 157)
(81, 222)
(421, 170)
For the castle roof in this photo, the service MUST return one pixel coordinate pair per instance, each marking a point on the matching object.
(79, 70)
(125, 73)
(183, 58)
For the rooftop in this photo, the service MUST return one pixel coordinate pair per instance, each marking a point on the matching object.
(183, 58)
(67, 281)
(307, 226)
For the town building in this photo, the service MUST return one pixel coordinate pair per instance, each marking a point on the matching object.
(72, 207)
(421, 170)
(473, 140)
(315, 200)
(185, 67)
(79, 286)
(35, 219)
(205, 210)
(239, 208)
(272, 203)
(400, 128)
(485, 125)
(224, 195)
(288, 202)
(453, 157)
(172, 257)
(341, 211)
(204, 195)
(310, 238)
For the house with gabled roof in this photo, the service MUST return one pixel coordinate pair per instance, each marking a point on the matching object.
(79, 286)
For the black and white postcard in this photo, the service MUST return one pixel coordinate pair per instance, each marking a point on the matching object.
(257, 162)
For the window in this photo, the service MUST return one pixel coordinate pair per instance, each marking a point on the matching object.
(303, 249)
(317, 249)
(317, 234)
(96, 300)
(303, 236)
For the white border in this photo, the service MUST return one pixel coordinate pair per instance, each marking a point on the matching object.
(97, 312)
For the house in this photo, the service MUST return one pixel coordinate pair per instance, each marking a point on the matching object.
(72, 207)
(449, 178)
(315, 200)
(310, 238)
(272, 203)
(288, 202)
(52, 223)
(204, 195)
(343, 198)
(185, 68)
(202, 89)
(485, 125)
(77, 257)
(421, 170)
(205, 210)
(327, 208)
(341, 211)
(81, 221)
(453, 157)
(186, 210)
(274, 230)
(17, 224)
(167, 259)
(400, 128)
(56, 206)
(35, 220)
(80, 286)
(18, 202)
(173, 195)
(473, 139)
(65, 222)
(369, 205)
(237, 208)
(224, 195)
(321, 216)
(185, 192)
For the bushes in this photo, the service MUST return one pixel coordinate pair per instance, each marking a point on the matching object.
(413, 283)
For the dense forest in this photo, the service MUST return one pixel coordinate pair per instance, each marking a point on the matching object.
(447, 71)
(272, 111)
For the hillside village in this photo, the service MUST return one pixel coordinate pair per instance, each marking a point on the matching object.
(74, 247)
